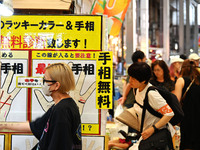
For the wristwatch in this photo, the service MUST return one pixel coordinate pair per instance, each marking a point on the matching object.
(155, 129)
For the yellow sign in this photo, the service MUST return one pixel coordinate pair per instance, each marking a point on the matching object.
(52, 32)
(104, 73)
(104, 80)
(99, 65)
(14, 54)
(90, 128)
(74, 55)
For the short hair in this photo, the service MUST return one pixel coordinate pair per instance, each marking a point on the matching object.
(137, 55)
(163, 65)
(141, 71)
(62, 73)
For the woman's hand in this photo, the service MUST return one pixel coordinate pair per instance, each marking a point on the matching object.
(147, 133)
(121, 100)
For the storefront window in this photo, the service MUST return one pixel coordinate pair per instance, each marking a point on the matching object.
(138, 28)
(155, 23)
(174, 27)
(155, 29)
(192, 27)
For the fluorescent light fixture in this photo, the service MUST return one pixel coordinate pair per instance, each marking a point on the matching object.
(6, 8)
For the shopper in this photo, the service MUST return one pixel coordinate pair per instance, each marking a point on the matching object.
(189, 127)
(175, 68)
(59, 128)
(140, 74)
(128, 97)
(195, 57)
(160, 77)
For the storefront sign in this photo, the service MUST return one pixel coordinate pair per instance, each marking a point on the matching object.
(52, 32)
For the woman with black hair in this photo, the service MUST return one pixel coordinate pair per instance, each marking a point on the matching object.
(190, 139)
(161, 77)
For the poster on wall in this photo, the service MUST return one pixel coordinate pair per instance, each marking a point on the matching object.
(86, 66)
(13, 100)
(97, 143)
(31, 43)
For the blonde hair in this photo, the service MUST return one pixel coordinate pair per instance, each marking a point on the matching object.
(62, 73)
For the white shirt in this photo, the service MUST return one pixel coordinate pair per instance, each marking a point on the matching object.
(158, 103)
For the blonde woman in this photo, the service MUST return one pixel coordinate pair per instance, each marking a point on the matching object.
(59, 127)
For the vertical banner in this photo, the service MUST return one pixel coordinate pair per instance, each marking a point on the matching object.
(31, 43)
(104, 81)
(115, 10)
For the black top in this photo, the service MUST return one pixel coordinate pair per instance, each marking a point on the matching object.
(59, 128)
(169, 86)
(190, 125)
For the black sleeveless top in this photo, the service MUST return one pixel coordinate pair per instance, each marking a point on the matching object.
(190, 125)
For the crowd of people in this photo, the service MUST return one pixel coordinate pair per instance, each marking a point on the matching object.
(182, 78)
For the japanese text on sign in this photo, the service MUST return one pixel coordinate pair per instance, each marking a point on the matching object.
(52, 32)
(103, 71)
(88, 69)
(64, 55)
(104, 81)
(28, 82)
(49, 25)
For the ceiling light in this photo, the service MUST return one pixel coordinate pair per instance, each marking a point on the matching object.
(6, 8)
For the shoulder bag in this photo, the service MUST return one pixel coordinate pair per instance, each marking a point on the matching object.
(158, 140)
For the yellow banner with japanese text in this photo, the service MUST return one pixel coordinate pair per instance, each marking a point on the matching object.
(77, 55)
(104, 81)
(52, 32)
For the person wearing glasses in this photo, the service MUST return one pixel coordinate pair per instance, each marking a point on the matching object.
(161, 77)
(60, 127)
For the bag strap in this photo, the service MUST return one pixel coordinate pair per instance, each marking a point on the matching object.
(147, 106)
(183, 97)
(139, 104)
(143, 116)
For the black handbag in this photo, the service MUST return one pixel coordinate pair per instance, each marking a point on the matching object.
(157, 141)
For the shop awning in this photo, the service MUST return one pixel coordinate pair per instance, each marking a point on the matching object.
(42, 4)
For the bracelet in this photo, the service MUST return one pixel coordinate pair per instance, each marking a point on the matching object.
(155, 129)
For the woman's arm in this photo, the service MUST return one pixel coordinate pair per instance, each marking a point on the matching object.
(19, 127)
(178, 87)
(126, 89)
